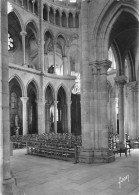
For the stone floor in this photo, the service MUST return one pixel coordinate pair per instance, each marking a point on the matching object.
(41, 176)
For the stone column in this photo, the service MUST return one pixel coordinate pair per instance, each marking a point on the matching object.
(47, 117)
(64, 117)
(65, 66)
(121, 80)
(68, 59)
(74, 14)
(114, 114)
(33, 1)
(60, 18)
(41, 116)
(24, 113)
(28, 5)
(55, 116)
(54, 57)
(7, 183)
(102, 105)
(126, 111)
(48, 9)
(22, 3)
(69, 116)
(132, 119)
(54, 17)
(67, 15)
(138, 110)
(41, 38)
(23, 34)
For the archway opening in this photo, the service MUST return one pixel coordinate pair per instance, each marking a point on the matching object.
(32, 46)
(15, 104)
(49, 110)
(32, 109)
(61, 111)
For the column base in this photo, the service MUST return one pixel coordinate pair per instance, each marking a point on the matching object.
(9, 187)
(96, 156)
(25, 65)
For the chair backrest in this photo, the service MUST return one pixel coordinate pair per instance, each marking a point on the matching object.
(121, 145)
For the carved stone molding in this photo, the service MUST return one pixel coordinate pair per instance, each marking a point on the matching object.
(100, 67)
(120, 80)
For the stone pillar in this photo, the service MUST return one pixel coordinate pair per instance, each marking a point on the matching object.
(28, 5)
(69, 116)
(64, 117)
(23, 34)
(48, 9)
(138, 110)
(67, 15)
(7, 183)
(121, 80)
(74, 14)
(54, 17)
(60, 18)
(33, 1)
(132, 106)
(113, 113)
(41, 116)
(65, 66)
(54, 57)
(103, 66)
(22, 3)
(126, 111)
(99, 150)
(24, 113)
(47, 117)
(55, 116)
(41, 38)
(68, 59)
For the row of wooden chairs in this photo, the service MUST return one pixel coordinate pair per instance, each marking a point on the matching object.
(54, 150)
(66, 138)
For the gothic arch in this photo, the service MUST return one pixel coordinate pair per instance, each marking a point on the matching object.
(62, 35)
(50, 31)
(35, 27)
(19, 18)
(104, 25)
(52, 88)
(64, 87)
(36, 86)
(20, 82)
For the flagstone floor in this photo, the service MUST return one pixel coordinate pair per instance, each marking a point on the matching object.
(42, 176)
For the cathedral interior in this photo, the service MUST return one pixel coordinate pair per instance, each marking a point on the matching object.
(69, 73)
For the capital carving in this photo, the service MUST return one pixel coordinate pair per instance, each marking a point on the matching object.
(131, 85)
(24, 99)
(121, 80)
(23, 33)
(100, 67)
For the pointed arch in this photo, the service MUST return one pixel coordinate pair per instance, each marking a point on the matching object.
(64, 88)
(104, 24)
(20, 82)
(50, 32)
(62, 35)
(51, 87)
(19, 18)
(36, 86)
(35, 26)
